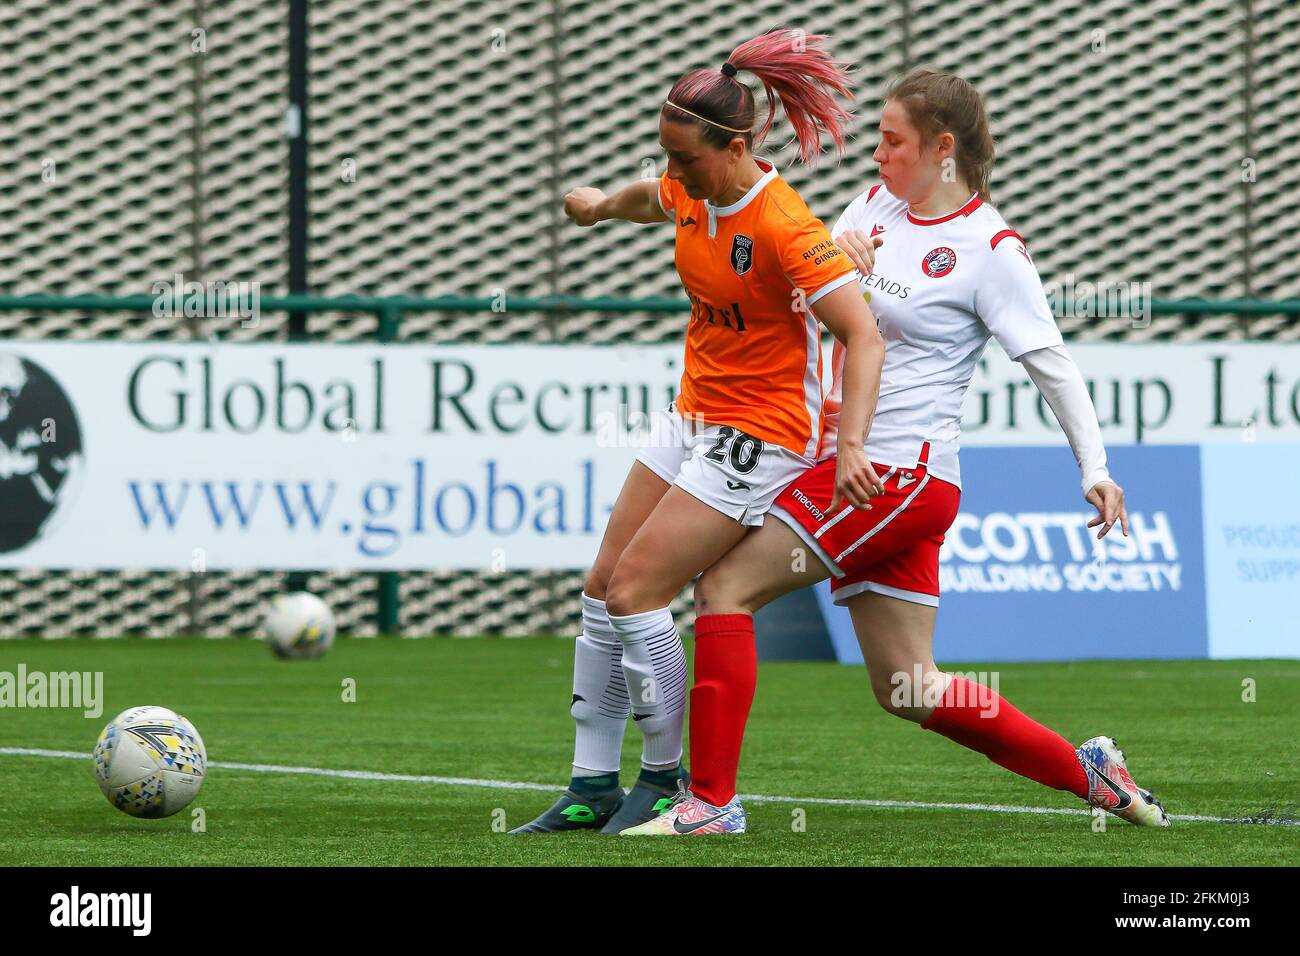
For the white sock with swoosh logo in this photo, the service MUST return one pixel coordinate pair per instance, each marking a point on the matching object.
(599, 705)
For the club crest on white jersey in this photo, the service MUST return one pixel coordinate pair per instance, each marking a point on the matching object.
(939, 262)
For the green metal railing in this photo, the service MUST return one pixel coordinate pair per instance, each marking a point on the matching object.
(389, 310)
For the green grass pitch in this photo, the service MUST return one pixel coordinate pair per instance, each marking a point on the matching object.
(493, 709)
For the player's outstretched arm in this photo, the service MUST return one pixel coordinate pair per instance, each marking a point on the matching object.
(636, 202)
(1011, 303)
(846, 314)
(1058, 379)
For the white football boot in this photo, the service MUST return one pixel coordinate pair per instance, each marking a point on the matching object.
(1111, 788)
(691, 816)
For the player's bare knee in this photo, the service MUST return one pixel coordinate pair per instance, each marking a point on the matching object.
(622, 596)
(886, 696)
(717, 591)
(893, 694)
(903, 710)
(596, 585)
(704, 600)
(633, 589)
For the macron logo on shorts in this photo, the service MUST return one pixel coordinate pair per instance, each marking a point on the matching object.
(807, 503)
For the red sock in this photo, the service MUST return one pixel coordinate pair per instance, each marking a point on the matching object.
(726, 670)
(1008, 738)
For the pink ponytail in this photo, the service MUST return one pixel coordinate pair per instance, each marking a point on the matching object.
(794, 68)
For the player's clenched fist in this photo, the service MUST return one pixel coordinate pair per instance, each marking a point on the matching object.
(581, 204)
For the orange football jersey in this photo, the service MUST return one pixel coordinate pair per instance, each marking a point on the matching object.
(753, 353)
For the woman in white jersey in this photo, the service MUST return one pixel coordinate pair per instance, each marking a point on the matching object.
(943, 273)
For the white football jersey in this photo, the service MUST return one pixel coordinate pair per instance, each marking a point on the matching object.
(939, 289)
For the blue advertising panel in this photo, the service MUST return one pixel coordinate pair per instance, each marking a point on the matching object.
(1023, 578)
(1252, 548)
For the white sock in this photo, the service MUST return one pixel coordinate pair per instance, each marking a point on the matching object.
(654, 664)
(599, 694)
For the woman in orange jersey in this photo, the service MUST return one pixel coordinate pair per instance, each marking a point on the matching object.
(760, 271)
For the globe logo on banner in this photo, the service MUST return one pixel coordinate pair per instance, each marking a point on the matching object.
(40, 450)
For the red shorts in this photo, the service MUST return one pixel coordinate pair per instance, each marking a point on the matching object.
(893, 549)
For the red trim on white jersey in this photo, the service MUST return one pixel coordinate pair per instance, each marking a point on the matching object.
(974, 203)
(993, 243)
(872, 192)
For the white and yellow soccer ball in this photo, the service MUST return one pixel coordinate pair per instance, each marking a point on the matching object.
(299, 625)
(150, 762)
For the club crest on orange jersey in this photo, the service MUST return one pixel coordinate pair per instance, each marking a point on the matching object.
(939, 262)
(742, 254)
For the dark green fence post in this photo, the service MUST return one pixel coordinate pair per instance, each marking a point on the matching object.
(388, 602)
(388, 584)
(297, 580)
(390, 320)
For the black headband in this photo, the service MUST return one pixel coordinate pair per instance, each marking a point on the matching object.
(728, 69)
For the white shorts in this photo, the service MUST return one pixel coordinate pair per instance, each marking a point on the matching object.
(731, 472)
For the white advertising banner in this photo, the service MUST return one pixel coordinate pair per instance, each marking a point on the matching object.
(174, 455)
(1168, 394)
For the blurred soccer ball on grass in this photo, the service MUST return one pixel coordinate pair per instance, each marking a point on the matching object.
(299, 625)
